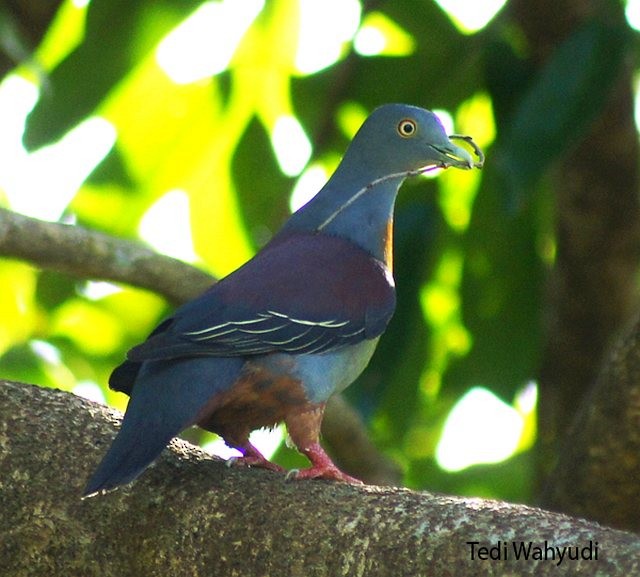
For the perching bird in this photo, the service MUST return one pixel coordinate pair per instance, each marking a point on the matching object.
(297, 323)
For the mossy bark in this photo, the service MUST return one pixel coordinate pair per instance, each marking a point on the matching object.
(191, 515)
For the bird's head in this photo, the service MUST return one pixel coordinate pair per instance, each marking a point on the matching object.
(396, 141)
(399, 138)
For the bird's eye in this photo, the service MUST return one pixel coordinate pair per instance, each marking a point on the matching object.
(407, 128)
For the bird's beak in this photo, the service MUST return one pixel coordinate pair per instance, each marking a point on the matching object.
(451, 154)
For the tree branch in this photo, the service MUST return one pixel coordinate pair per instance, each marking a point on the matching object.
(191, 515)
(89, 254)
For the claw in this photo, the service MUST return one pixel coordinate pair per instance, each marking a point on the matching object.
(291, 474)
(253, 458)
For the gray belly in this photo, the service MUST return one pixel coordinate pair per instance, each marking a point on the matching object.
(322, 375)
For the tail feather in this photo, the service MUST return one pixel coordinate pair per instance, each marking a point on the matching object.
(166, 398)
(128, 456)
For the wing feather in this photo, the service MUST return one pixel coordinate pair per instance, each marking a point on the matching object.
(303, 294)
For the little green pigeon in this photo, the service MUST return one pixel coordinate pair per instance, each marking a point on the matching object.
(297, 323)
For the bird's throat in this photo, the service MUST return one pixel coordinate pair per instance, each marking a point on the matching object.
(364, 216)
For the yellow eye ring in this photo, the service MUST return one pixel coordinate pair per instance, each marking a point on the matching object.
(407, 128)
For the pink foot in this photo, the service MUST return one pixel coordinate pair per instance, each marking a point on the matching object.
(253, 458)
(322, 467)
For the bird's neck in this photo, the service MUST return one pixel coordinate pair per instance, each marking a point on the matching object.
(365, 216)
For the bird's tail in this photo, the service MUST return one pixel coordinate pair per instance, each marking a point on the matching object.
(167, 398)
(132, 451)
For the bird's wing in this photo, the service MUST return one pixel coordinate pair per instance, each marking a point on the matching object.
(305, 293)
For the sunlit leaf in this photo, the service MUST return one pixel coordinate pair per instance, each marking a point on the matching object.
(64, 34)
(190, 150)
(109, 208)
(111, 46)
(18, 309)
(380, 36)
(90, 327)
(139, 309)
(440, 299)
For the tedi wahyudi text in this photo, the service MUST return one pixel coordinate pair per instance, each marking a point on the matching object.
(532, 551)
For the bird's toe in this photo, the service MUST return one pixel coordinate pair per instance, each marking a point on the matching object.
(330, 472)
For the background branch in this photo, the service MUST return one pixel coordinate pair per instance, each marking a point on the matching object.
(90, 254)
(191, 515)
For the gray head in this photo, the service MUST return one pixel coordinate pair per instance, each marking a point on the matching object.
(398, 138)
(396, 141)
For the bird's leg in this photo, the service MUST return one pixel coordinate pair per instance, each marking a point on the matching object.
(251, 457)
(304, 430)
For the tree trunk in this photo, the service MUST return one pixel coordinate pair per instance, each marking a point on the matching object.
(593, 291)
(599, 461)
(191, 515)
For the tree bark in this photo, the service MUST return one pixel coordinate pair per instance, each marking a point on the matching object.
(191, 515)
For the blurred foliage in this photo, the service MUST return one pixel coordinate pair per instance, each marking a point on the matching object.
(471, 249)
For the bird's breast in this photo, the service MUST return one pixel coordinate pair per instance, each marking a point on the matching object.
(388, 245)
(324, 374)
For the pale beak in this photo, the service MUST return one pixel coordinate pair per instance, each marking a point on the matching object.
(457, 156)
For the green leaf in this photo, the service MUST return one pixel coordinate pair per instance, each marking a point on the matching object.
(502, 291)
(508, 75)
(562, 101)
(435, 76)
(53, 288)
(510, 480)
(263, 191)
